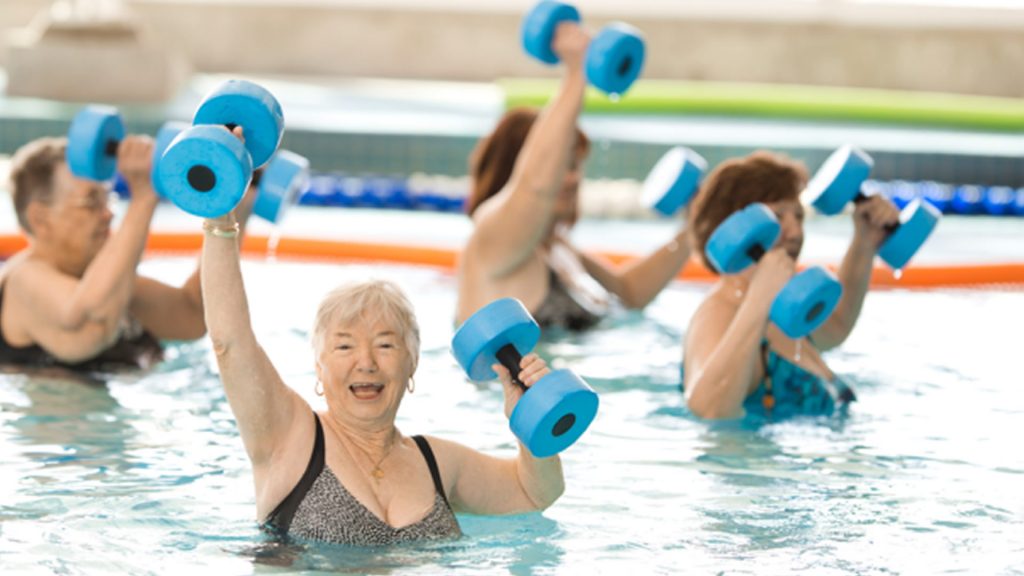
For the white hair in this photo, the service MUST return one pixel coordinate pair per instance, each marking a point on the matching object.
(370, 300)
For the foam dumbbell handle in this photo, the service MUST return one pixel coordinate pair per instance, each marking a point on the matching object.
(510, 358)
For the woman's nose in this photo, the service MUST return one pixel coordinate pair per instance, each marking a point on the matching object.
(366, 360)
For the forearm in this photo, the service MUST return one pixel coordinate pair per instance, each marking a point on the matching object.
(540, 478)
(546, 153)
(854, 276)
(722, 383)
(105, 290)
(646, 278)
(225, 306)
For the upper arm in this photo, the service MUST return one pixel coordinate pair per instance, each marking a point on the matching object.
(168, 312)
(509, 226)
(706, 330)
(47, 311)
(264, 407)
(478, 483)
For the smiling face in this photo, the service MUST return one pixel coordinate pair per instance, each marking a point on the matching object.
(366, 343)
(364, 367)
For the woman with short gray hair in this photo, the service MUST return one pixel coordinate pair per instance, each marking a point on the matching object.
(347, 475)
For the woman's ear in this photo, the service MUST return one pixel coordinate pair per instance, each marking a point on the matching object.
(37, 215)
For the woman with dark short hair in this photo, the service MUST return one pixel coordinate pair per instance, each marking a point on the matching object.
(526, 177)
(735, 360)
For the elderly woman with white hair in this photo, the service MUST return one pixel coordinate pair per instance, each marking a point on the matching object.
(348, 475)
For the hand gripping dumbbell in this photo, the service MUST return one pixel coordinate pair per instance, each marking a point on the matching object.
(206, 169)
(96, 132)
(615, 55)
(839, 181)
(805, 301)
(285, 176)
(554, 412)
(673, 181)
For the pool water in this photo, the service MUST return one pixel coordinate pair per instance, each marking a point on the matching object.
(146, 474)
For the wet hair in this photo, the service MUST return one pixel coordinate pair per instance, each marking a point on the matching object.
(494, 158)
(32, 174)
(370, 300)
(737, 183)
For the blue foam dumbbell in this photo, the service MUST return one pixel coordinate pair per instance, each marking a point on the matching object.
(285, 176)
(206, 169)
(614, 58)
(94, 136)
(164, 136)
(805, 301)
(673, 181)
(553, 413)
(839, 182)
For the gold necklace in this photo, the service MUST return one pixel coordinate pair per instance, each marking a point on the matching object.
(377, 471)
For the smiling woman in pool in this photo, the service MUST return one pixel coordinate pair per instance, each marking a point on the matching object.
(348, 475)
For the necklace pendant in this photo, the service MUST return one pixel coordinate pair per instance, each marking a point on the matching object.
(378, 473)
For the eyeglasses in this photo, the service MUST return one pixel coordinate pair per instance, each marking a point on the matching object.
(95, 202)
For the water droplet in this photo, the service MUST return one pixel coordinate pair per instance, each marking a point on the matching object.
(615, 97)
(606, 144)
(272, 241)
(897, 274)
(798, 346)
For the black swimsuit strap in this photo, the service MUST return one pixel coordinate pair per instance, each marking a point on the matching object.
(281, 518)
(435, 473)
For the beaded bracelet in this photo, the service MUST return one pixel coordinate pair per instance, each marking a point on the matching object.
(221, 232)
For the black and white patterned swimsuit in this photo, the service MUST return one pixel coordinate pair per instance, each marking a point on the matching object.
(320, 508)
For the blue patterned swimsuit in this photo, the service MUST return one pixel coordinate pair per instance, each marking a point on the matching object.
(788, 390)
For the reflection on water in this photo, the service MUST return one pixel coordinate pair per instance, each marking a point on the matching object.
(146, 474)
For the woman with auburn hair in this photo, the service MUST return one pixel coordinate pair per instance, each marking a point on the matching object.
(523, 203)
(735, 360)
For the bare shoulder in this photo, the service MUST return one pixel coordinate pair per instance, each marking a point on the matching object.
(715, 308)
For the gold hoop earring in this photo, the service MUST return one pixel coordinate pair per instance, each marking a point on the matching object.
(411, 385)
(319, 388)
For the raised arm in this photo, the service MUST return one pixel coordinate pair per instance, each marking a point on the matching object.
(638, 282)
(870, 219)
(263, 406)
(77, 318)
(723, 342)
(482, 484)
(511, 226)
